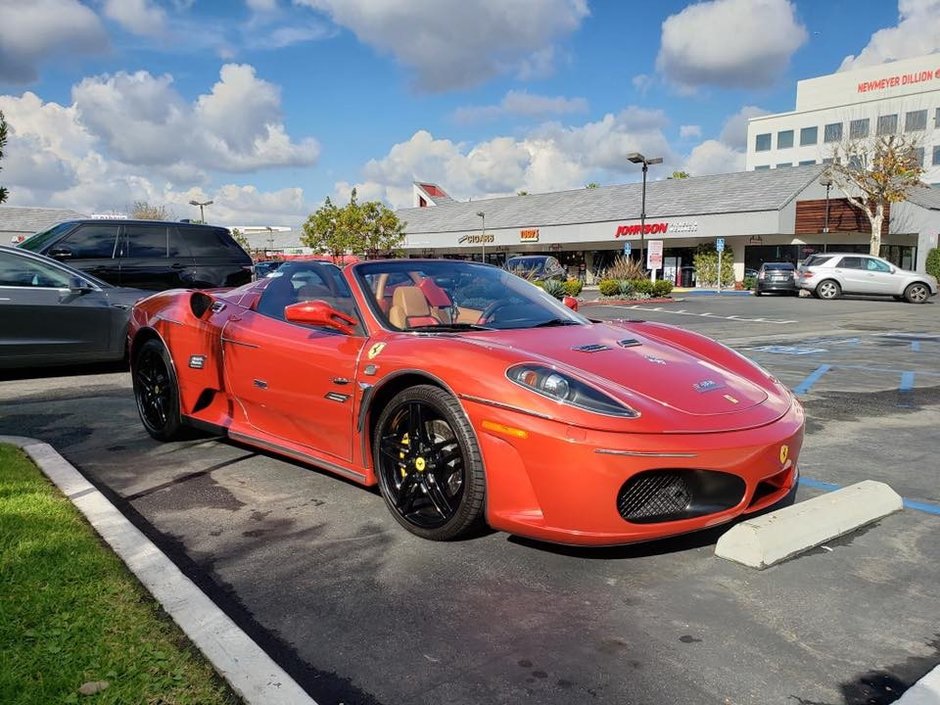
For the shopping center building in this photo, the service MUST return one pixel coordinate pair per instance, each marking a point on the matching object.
(901, 97)
(763, 216)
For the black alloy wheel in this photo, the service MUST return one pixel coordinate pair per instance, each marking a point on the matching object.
(156, 391)
(428, 464)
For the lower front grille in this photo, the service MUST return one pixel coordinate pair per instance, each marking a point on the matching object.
(671, 494)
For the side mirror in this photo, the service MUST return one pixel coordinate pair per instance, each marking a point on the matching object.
(77, 285)
(320, 313)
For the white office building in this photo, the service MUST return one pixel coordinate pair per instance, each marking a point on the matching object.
(898, 97)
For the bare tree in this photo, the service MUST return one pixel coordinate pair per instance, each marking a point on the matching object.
(142, 210)
(3, 141)
(875, 172)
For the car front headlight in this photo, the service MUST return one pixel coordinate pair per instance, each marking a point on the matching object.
(565, 389)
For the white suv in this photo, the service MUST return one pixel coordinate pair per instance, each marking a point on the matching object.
(829, 275)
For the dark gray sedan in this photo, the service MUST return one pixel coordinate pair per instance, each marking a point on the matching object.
(51, 314)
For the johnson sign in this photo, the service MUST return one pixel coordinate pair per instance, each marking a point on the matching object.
(656, 228)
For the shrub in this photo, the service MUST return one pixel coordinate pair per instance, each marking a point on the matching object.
(642, 286)
(706, 267)
(625, 268)
(933, 262)
(750, 282)
(554, 288)
(573, 287)
(609, 287)
(625, 287)
(663, 287)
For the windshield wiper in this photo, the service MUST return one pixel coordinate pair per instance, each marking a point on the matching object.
(555, 322)
(446, 328)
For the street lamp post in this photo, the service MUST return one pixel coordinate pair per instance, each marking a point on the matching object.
(202, 205)
(638, 158)
(826, 180)
(483, 234)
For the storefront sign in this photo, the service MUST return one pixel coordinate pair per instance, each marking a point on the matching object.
(479, 239)
(530, 235)
(684, 226)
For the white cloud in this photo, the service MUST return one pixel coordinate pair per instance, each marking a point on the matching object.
(34, 31)
(261, 5)
(642, 82)
(714, 157)
(729, 43)
(917, 33)
(690, 131)
(734, 131)
(551, 157)
(132, 137)
(524, 104)
(137, 16)
(455, 44)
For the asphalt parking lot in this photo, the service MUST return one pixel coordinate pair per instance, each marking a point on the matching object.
(361, 612)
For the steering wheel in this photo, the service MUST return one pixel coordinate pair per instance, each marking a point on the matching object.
(487, 315)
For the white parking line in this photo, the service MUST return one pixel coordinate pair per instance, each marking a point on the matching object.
(707, 314)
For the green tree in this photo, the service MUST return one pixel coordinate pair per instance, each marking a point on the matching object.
(365, 229)
(142, 210)
(873, 173)
(593, 184)
(522, 193)
(3, 140)
(933, 262)
(680, 175)
(242, 239)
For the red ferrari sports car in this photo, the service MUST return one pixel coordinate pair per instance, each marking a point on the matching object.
(468, 395)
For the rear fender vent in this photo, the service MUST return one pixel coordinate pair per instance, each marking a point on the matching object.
(629, 343)
(672, 494)
(590, 348)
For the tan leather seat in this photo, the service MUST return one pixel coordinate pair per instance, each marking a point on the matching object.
(410, 308)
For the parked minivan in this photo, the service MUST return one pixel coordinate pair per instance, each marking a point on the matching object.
(147, 254)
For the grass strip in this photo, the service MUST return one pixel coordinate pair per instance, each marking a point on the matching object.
(72, 614)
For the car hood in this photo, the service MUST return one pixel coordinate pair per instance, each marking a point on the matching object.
(685, 391)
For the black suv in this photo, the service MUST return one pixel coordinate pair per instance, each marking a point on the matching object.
(147, 254)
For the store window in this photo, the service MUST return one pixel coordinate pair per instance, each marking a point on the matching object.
(762, 143)
(919, 155)
(887, 124)
(832, 132)
(807, 162)
(936, 155)
(766, 167)
(785, 139)
(783, 165)
(858, 129)
(915, 120)
(808, 135)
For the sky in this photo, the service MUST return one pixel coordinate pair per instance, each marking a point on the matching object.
(267, 107)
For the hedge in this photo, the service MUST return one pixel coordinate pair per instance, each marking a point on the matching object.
(933, 262)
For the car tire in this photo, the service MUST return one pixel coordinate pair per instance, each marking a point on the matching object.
(917, 293)
(435, 486)
(156, 391)
(757, 292)
(828, 289)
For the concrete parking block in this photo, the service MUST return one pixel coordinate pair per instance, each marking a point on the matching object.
(926, 691)
(771, 538)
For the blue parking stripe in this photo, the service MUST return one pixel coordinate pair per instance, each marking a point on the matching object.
(928, 507)
(907, 381)
(915, 346)
(804, 386)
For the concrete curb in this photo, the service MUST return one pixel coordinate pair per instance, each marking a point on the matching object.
(235, 656)
(627, 302)
(926, 691)
(771, 538)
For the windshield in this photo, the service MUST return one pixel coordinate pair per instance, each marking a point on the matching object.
(37, 241)
(448, 295)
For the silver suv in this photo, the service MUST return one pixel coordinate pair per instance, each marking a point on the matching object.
(829, 275)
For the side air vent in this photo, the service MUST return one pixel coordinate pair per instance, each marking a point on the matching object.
(591, 348)
(629, 343)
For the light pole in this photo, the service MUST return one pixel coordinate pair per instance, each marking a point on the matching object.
(638, 158)
(202, 205)
(483, 233)
(826, 180)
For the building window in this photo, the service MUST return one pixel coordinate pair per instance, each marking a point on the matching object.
(915, 120)
(832, 132)
(808, 135)
(766, 167)
(808, 162)
(887, 124)
(858, 129)
(936, 155)
(785, 139)
(763, 143)
(828, 160)
(919, 155)
(936, 118)
(784, 164)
